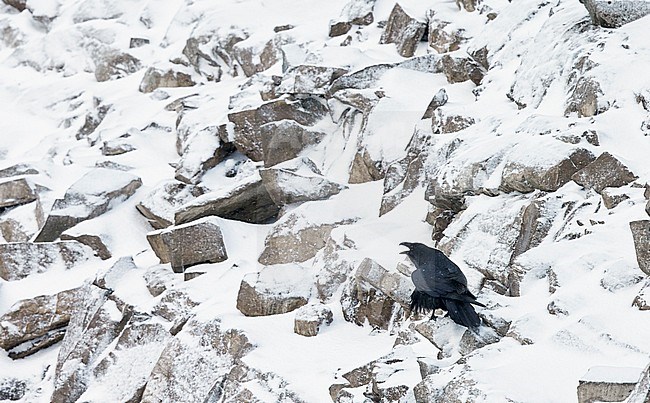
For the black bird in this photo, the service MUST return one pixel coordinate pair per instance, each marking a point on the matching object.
(439, 283)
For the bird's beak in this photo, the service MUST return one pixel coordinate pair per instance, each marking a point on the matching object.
(408, 245)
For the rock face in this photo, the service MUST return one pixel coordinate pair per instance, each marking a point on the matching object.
(116, 66)
(525, 179)
(19, 260)
(357, 12)
(203, 151)
(404, 31)
(208, 349)
(607, 384)
(288, 186)
(160, 205)
(641, 236)
(605, 171)
(16, 192)
(189, 244)
(155, 78)
(310, 318)
(309, 79)
(36, 323)
(247, 201)
(641, 393)
(96, 323)
(614, 14)
(248, 123)
(284, 140)
(274, 290)
(376, 296)
(87, 198)
(21, 223)
(285, 244)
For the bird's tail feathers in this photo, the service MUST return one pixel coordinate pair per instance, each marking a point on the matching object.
(422, 302)
(462, 313)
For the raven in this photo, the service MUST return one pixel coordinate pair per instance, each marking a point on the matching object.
(439, 283)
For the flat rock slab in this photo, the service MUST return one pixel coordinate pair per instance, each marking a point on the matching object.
(275, 290)
(607, 384)
(287, 186)
(161, 204)
(31, 318)
(87, 198)
(605, 171)
(247, 201)
(186, 245)
(19, 260)
(16, 192)
(641, 235)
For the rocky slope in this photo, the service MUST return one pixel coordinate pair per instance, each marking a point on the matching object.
(203, 201)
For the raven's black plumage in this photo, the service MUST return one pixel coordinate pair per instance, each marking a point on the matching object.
(439, 283)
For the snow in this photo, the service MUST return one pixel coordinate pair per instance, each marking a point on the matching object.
(47, 87)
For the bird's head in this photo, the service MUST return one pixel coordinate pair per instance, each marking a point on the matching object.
(414, 251)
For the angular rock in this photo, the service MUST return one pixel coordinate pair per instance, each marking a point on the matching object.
(203, 151)
(115, 66)
(310, 318)
(93, 119)
(309, 79)
(524, 178)
(247, 132)
(89, 197)
(207, 349)
(175, 306)
(363, 169)
(19, 5)
(614, 14)
(18, 170)
(286, 244)
(158, 279)
(339, 28)
(605, 171)
(336, 261)
(376, 296)
(472, 341)
(160, 205)
(642, 300)
(109, 278)
(288, 186)
(122, 375)
(584, 98)
(12, 389)
(357, 12)
(458, 70)
(641, 392)
(612, 198)
(116, 147)
(30, 319)
(256, 58)
(138, 42)
(437, 101)
(444, 122)
(404, 31)
(275, 290)
(607, 384)
(285, 140)
(16, 192)
(204, 62)
(641, 235)
(20, 224)
(19, 260)
(443, 40)
(247, 201)
(155, 78)
(95, 324)
(96, 242)
(189, 244)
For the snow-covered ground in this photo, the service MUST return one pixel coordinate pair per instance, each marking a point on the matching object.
(574, 307)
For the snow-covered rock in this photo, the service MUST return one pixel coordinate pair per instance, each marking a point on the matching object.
(607, 384)
(606, 171)
(641, 235)
(285, 140)
(404, 31)
(247, 200)
(16, 192)
(614, 14)
(19, 260)
(310, 318)
(89, 197)
(162, 202)
(274, 290)
(189, 244)
(156, 78)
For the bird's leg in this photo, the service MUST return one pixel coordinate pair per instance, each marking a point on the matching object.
(433, 315)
